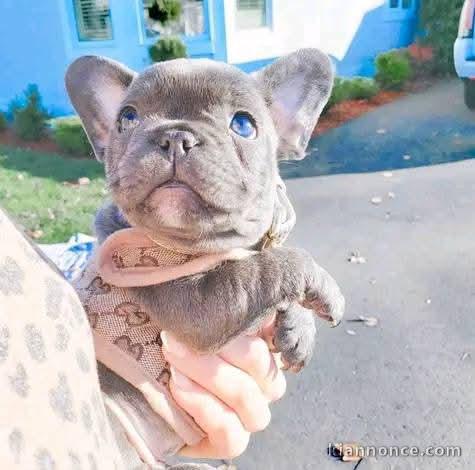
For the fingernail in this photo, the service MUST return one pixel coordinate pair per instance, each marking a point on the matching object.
(172, 345)
(180, 380)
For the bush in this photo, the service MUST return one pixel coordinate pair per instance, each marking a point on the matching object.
(3, 122)
(439, 20)
(393, 69)
(29, 117)
(357, 88)
(362, 88)
(167, 49)
(70, 136)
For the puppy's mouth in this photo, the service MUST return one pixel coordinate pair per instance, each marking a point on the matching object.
(178, 191)
(176, 188)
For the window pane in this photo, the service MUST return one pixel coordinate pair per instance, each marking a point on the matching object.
(406, 4)
(394, 3)
(251, 14)
(93, 20)
(190, 23)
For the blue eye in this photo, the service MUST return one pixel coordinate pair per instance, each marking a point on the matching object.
(243, 124)
(128, 119)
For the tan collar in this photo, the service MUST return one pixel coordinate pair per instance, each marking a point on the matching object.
(130, 258)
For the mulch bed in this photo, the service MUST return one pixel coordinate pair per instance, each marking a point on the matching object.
(351, 109)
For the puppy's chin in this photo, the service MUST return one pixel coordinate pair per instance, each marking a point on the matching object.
(173, 207)
(175, 216)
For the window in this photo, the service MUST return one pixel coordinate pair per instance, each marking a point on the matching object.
(251, 13)
(93, 20)
(190, 23)
(406, 4)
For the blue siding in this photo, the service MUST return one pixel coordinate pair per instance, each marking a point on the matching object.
(130, 44)
(32, 51)
(38, 39)
(382, 29)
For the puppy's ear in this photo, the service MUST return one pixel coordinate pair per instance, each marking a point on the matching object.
(296, 88)
(96, 87)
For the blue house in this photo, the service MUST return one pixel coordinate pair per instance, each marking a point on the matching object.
(38, 39)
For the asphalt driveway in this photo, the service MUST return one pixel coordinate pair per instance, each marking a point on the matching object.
(409, 380)
(427, 128)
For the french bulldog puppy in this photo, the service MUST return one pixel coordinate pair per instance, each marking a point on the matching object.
(191, 149)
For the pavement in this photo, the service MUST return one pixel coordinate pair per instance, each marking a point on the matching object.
(423, 129)
(409, 380)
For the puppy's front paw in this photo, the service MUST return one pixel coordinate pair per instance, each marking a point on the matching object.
(324, 297)
(294, 336)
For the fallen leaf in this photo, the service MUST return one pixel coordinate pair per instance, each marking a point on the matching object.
(351, 332)
(356, 258)
(368, 321)
(83, 181)
(35, 234)
(465, 355)
(376, 200)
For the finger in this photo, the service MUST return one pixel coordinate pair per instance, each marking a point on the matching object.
(226, 437)
(267, 327)
(252, 355)
(234, 387)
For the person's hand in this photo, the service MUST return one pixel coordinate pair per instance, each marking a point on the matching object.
(228, 394)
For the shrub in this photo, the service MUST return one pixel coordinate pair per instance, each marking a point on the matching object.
(338, 93)
(167, 49)
(393, 69)
(439, 20)
(29, 117)
(3, 122)
(362, 88)
(357, 88)
(70, 136)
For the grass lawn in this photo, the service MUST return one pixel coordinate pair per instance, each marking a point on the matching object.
(33, 191)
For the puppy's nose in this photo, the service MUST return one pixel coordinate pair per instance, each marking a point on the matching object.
(177, 143)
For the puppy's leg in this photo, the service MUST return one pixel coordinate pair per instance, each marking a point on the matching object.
(207, 310)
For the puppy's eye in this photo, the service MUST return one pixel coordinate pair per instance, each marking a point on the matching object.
(243, 124)
(128, 119)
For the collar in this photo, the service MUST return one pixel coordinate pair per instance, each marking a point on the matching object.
(130, 258)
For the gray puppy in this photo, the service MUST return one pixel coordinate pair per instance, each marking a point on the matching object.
(191, 149)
